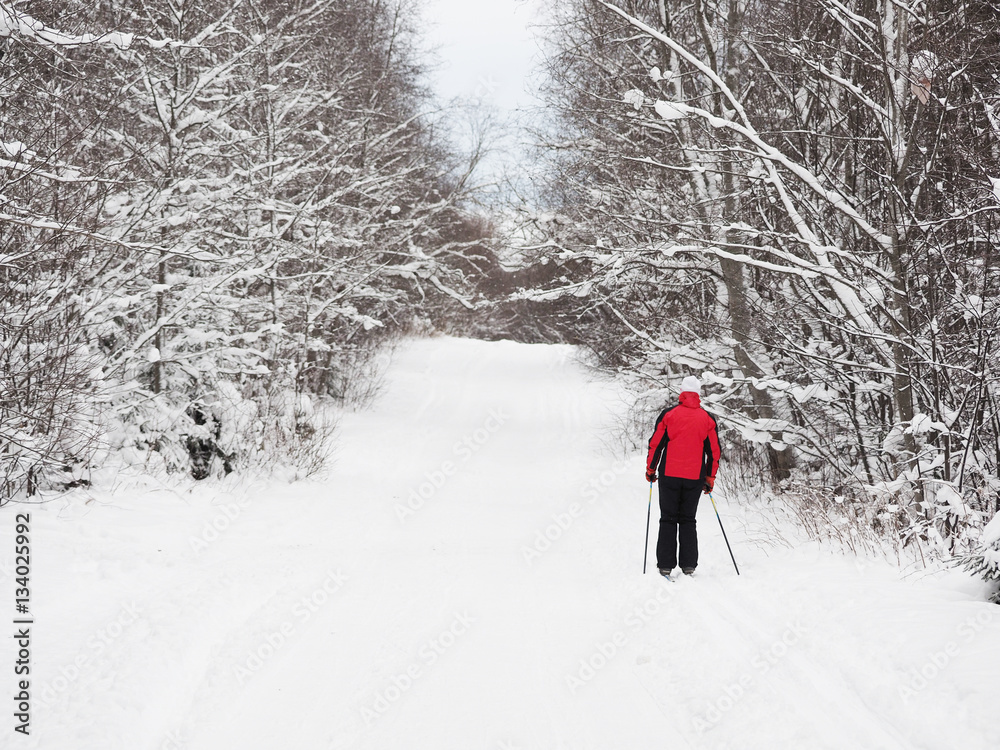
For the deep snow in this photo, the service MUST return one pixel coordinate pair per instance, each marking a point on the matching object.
(469, 576)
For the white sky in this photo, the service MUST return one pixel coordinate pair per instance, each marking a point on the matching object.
(486, 49)
(486, 56)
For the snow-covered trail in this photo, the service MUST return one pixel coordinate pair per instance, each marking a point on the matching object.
(469, 576)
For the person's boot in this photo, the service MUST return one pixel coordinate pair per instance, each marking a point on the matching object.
(688, 571)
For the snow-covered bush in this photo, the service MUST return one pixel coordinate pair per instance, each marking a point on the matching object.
(252, 430)
(276, 430)
(985, 561)
(47, 419)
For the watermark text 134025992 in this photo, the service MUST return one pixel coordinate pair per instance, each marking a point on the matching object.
(22, 623)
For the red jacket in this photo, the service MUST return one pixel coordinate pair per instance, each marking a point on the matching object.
(685, 443)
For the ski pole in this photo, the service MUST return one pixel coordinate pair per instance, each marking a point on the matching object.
(645, 550)
(723, 534)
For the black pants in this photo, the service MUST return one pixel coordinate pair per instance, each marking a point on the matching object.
(678, 506)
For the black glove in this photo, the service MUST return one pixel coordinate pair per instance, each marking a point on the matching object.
(650, 476)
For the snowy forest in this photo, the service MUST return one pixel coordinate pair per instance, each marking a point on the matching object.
(216, 214)
(338, 384)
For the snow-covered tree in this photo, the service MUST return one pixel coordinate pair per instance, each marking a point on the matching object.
(51, 242)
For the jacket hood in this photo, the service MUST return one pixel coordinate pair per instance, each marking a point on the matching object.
(690, 399)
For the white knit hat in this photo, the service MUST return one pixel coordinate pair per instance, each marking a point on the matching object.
(690, 383)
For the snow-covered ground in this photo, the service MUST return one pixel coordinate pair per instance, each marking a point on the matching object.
(469, 576)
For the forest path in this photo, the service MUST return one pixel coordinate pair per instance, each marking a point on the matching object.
(469, 576)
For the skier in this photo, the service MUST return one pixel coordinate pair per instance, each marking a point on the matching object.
(684, 451)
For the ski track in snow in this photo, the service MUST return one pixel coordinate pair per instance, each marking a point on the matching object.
(354, 612)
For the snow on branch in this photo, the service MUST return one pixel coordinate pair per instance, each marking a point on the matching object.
(452, 293)
(23, 159)
(676, 110)
(16, 23)
(773, 158)
(42, 223)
